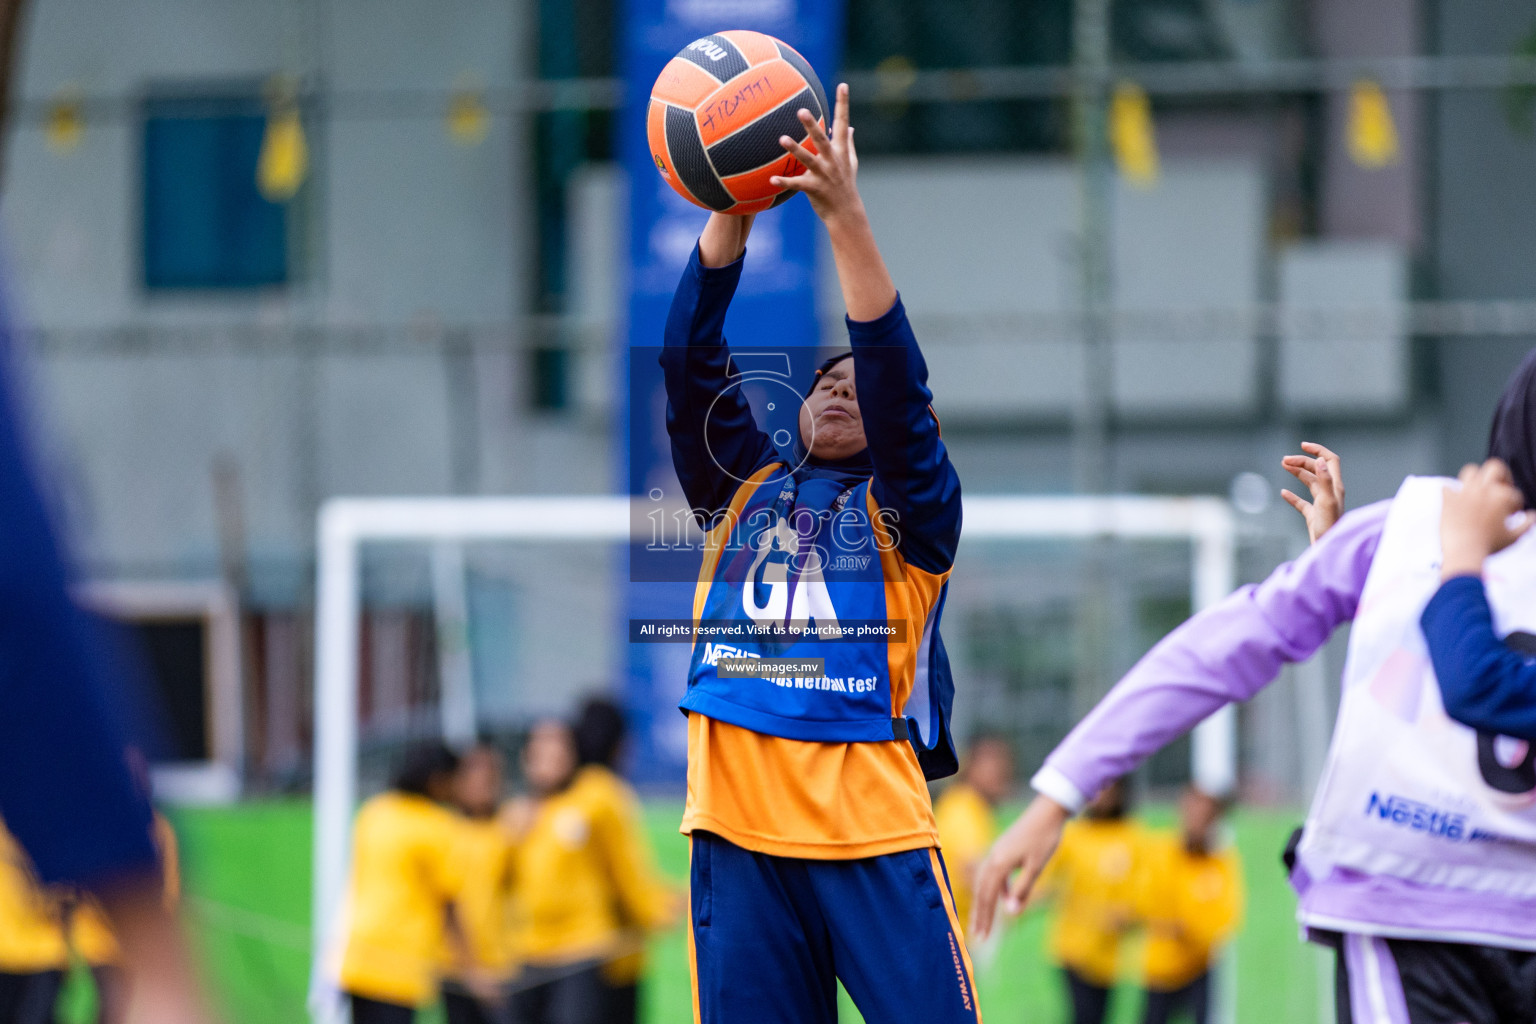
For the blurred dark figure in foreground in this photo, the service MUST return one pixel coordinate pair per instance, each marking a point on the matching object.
(91, 938)
(66, 792)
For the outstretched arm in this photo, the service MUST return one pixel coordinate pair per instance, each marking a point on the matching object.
(66, 792)
(696, 367)
(1224, 654)
(913, 474)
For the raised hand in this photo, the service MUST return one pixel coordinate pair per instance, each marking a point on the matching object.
(830, 182)
(1026, 847)
(1323, 474)
(1475, 519)
(831, 164)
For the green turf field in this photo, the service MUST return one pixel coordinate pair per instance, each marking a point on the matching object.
(247, 882)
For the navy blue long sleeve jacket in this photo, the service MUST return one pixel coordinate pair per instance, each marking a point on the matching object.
(66, 792)
(719, 452)
(1485, 683)
(908, 461)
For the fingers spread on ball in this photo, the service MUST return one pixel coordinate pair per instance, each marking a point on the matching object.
(806, 157)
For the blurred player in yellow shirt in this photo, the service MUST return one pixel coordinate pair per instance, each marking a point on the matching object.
(1190, 899)
(405, 874)
(92, 938)
(485, 852)
(1092, 883)
(646, 902)
(33, 955)
(582, 884)
(966, 813)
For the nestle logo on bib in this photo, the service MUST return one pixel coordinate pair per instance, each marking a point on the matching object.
(1419, 817)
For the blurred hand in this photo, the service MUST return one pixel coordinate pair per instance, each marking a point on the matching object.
(831, 164)
(156, 1002)
(161, 984)
(1323, 474)
(1026, 847)
(1475, 520)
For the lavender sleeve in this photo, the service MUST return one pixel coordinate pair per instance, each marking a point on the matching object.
(1226, 653)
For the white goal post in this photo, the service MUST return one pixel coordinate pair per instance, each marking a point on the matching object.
(345, 524)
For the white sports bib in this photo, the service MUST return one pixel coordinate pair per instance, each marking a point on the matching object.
(1407, 792)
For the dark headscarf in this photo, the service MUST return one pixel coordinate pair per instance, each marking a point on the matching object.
(599, 732)
(824, 367)
(1513, 434)
(422, 764)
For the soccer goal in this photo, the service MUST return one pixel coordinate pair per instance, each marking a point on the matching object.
(1009, 544)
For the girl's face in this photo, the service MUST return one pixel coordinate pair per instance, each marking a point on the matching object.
(549, 759)
(477, 785)
(830, 424)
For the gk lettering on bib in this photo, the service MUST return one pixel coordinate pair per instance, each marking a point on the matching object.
(800, 560)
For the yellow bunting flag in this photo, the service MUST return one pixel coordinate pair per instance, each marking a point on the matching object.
(468, 120)
(284, 159)
(894, 78)
(66, 122)
(1131, 135)
(1372, 135)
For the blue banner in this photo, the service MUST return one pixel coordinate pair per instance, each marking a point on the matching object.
(774, 310)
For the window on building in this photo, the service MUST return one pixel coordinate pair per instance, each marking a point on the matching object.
(899, 37)
(577, 39)
(550, 378)
(205, 222)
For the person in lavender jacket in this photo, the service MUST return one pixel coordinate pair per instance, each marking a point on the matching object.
(1418, 860)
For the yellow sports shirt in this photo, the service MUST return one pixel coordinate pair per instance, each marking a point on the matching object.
(791, 798)
(485, 852)
(31, 931)
(90, 936)
(1190, 904)
(967, 827)
(1092, 880)
(582, 877)
(404, 874)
